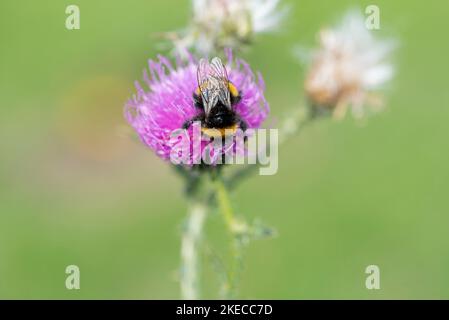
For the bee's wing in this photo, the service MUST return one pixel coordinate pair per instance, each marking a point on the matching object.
(202, 77)
(207, 85)
(213, 83)
(221, 74)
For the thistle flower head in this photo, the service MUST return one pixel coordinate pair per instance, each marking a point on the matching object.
(168, 102)
(347, 69)
(218, 24)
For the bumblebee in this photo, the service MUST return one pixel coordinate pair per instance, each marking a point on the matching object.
(216, 97)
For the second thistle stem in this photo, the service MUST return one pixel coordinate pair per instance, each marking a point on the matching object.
(298, 118)
(234, 229)
(225, 204)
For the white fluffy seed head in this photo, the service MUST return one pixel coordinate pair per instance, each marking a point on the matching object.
(348, 67)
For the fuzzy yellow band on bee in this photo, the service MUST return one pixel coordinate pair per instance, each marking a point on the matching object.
(220, 132)
(233, 90)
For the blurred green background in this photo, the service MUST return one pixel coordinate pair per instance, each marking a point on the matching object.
(76, 189)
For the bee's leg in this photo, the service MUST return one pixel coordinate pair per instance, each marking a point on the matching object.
(188, 123)
(223, 153)
(243, 126)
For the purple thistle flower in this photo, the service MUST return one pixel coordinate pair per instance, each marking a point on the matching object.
(168, 103)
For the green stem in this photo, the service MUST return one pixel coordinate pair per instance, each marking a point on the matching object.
(189, 251)
(235, 229)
